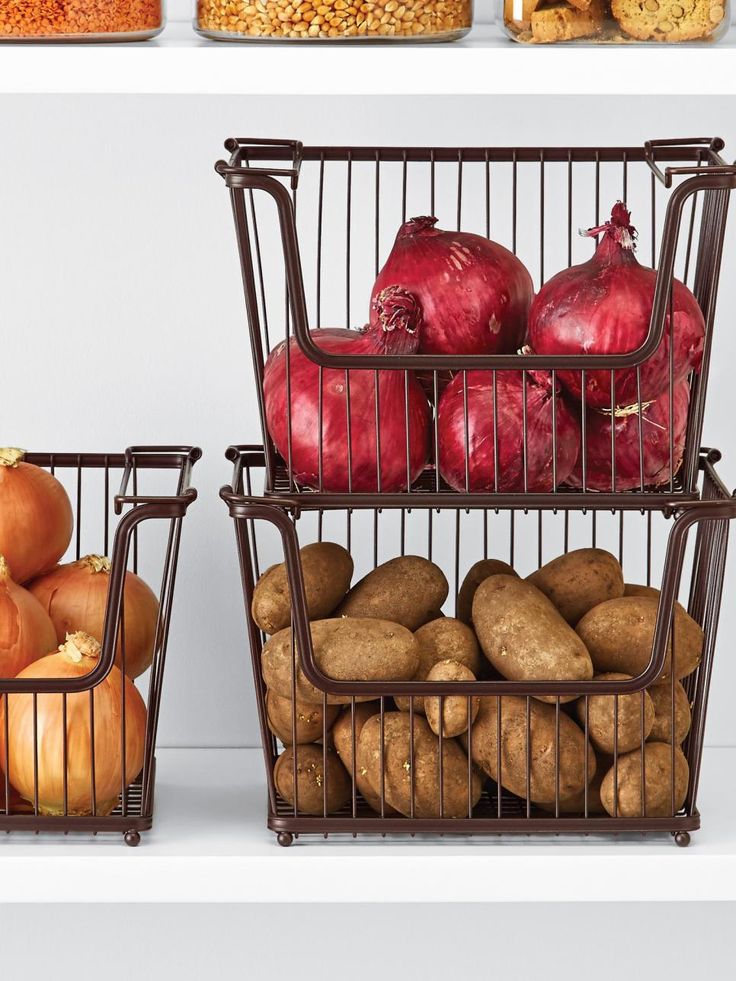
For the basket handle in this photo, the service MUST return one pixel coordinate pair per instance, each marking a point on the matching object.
(163, 507)
(690, 514)
(240, 179)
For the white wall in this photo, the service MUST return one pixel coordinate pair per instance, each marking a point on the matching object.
(122, 312)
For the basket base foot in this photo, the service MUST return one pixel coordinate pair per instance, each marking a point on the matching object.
(132, 838)
(284, 838)
(682, 838)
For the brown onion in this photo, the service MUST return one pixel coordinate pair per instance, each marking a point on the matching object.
(74, 596)
(26, 632)
(75, 658)
(35, 516)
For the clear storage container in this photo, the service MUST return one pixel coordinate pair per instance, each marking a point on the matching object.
(334, 20)
(80, 20)
(616, 21)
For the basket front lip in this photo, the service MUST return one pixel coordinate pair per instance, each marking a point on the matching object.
(718, 174)
(668, 502)
(142, 508)
(688, 513)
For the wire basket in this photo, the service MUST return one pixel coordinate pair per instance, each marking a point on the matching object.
(314, 225)
(692, 536)
(130, 506)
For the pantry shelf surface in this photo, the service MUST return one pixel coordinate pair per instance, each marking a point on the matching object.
(210, 844)
(179, 62)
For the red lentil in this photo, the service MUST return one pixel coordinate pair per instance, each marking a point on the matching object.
(58, 18)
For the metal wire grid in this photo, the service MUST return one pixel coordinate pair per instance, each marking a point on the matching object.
(498, 811)
(135, 526)
(333, 208)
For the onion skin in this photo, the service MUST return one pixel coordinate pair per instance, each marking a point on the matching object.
(475, 294)
(75, 595)
(511, 453)
(394, 329)
(655, 439)
(604, 306)
(36, 517)
(107, 699)
(26, 632)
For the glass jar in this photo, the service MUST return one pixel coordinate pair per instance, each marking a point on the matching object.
(80, 20)
(616, 21)
(334, 20)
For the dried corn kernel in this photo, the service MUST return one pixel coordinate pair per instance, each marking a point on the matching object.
(334, 18)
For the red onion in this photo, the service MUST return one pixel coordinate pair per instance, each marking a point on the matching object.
(603, 307)
(395, 326)
(655, 455)
(512, 454)
(475, 294)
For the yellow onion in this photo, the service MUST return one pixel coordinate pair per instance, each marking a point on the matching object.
(74, 596)
(26, 630)
(35, 516)
(75, 658)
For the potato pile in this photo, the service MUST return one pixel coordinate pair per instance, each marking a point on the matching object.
(573, 619)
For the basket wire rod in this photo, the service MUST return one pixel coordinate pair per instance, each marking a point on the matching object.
(569, 210)
(254, 644)
(705, 288)
(320, 234)
(163, 626)
(488, 194)
(404, 178)
(613, 433)
(106, 516)
(252, 313)
(353, 759)
(78, 514)
(6, 753)
(514, 201)
(377, 215)
(412, 760)
(715, 592)
(92, 752)
(123, 720)
(348, 236)
(671, 393)
(541, 217)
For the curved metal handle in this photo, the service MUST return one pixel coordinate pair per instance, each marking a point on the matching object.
(164, 508)
(253, 179)
(689, 515)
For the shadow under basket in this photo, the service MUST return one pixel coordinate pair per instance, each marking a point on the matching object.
(130, 507)
(676, 545)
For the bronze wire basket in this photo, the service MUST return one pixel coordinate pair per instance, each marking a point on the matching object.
(283, 195)
(144, 526)
(498, 812)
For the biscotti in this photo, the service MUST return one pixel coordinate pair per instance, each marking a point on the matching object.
(561, 22)
(615, 21)
(668, 20)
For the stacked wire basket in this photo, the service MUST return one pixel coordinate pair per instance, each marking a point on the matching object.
(313, 226)
(129, 506)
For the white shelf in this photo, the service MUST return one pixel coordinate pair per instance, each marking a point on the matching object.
(210, 844)
(180, 62)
